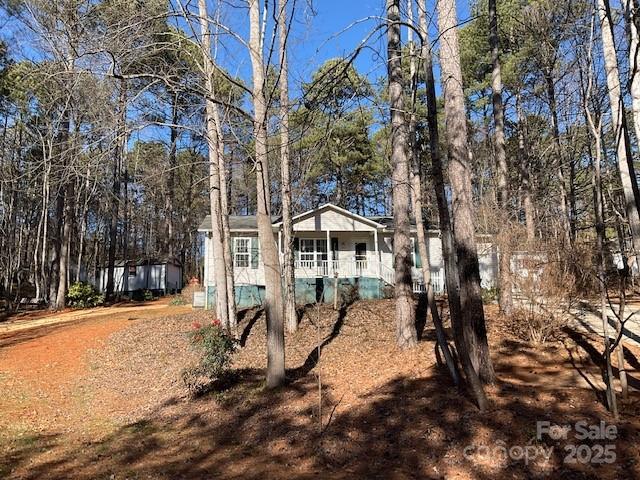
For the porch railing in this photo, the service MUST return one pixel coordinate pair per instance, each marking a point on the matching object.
(369, 267)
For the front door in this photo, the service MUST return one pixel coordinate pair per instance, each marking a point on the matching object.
(361, 258)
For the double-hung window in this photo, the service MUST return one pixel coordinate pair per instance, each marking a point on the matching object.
(241, 252)
(313, 251)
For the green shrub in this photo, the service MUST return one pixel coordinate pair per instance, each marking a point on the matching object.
(84, 295)
(178, 300)
(216, 348)
(489, 295)
(142, 295)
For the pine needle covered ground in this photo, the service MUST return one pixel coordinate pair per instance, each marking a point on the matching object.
(104, 399)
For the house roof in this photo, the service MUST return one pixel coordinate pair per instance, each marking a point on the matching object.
(236, 223)
(248, 223)
(147, 261)
(335, 208)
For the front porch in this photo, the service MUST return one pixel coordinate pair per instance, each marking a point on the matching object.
(354, 255)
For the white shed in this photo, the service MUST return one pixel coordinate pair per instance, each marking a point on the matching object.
(158, 275)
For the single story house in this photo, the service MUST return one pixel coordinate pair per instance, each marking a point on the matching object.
(159, 275)
(331, 241)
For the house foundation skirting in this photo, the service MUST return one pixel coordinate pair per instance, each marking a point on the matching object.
(312, 290)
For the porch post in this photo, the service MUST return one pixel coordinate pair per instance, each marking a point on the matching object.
(329, 254)
(375, 247)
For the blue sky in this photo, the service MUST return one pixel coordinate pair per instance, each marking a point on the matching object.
(334, 29)
(329, 35)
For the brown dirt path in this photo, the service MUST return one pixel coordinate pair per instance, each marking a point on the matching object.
(40, 364)
(36, 319)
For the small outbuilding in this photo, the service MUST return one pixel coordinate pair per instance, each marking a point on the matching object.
(159, 275)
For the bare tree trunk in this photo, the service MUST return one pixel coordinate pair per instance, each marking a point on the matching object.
(113, 226)
(631, 13)
(226, 231)
(564, 206)
(169, 198)
(600, 239)
(291, 316)
(448, 251)
(273, 286)
(67, 197)
(405, 312)
(220, 270)
(529, 211)
(595, 128)
(83, 224)
(504, 279)
(474, 329)
(623, 147)
(416, 198)
(64, 248)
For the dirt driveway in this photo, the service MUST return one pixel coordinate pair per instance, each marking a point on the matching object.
(40, 319)
(42, 358)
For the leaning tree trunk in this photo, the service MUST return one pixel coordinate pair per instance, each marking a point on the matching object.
(416, 198)
(269, 252)
(291, 316)
(474, 329)
(405, 312)
(504, 278)
(217, 242)
(601, 268)
(623, 147)
(448, 251)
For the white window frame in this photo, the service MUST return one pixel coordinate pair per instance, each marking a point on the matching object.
(315, 255)
(240, 256)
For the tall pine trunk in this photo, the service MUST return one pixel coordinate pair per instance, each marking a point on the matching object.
(226, 230)
(525, 174)
(474, 329)
(405, 312)
(273, 287)
(631, 13)
(217, 242)
(416, 199)
(619, 123)
(448, 251)
(504, 278)
(291, 316)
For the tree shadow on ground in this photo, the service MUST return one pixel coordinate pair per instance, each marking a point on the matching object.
(243, 316)
(314, 355)
(596, 357)
(406, 427)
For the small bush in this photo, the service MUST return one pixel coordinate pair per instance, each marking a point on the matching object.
(178, 300)
(489, 295)
(84, 295)
(216, 348)
(535, 326)
(142, 295)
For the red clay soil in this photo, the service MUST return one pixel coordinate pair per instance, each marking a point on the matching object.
(366, 410)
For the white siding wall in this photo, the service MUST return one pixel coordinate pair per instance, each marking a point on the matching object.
(342, 228)
(331, 220)
(242, 276)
